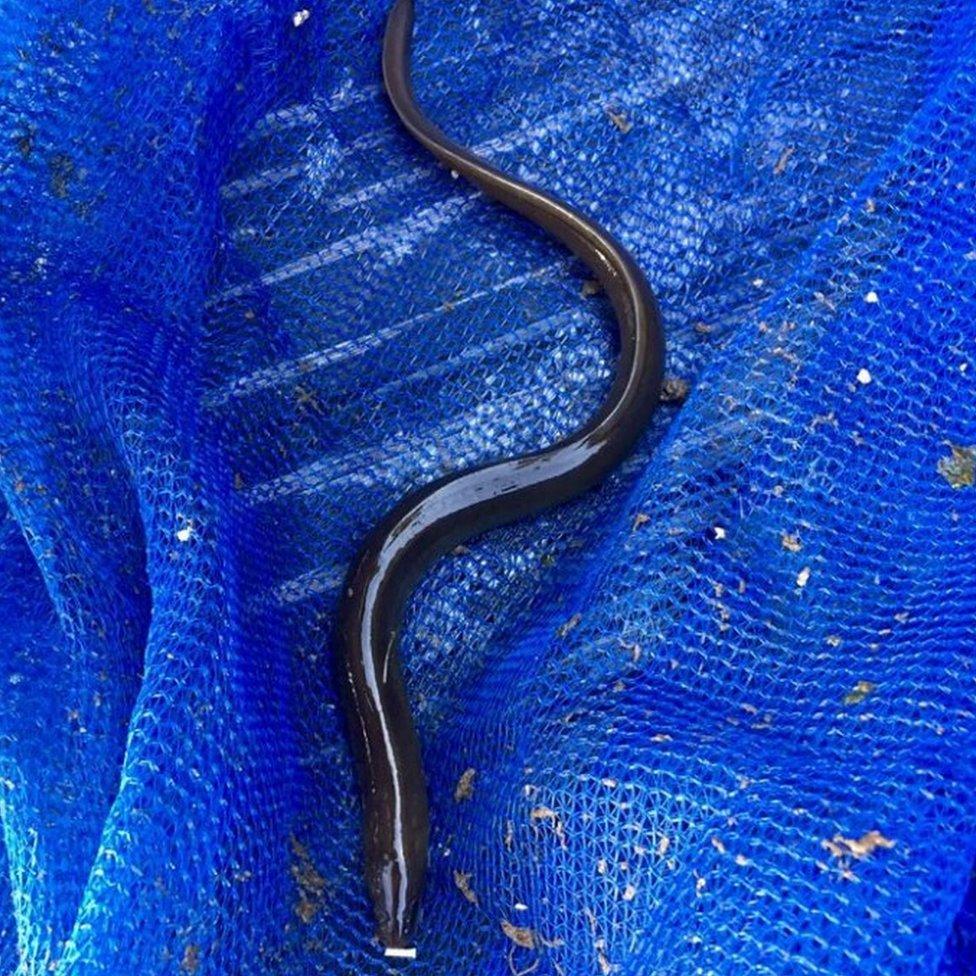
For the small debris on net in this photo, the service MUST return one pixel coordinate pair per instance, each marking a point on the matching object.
(803, 577)
(25, 142)
(465, 786)
(674, 390)
(959, 469)
(462, 879)
(846, 850)
(523, 937)
(620, 120)
(633, 648)
(859, 692)
(509, 835)
(308, 880)
(570, 624)
(449, 304)
(191, 959)
(791, 542)
(307, 400)
(299, 17)
(62, 169)
(547, 814)
(858, 848)
(784, 157)
(640, 519)
(863, 376)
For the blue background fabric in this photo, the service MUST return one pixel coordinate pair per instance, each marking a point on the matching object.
(720, 711)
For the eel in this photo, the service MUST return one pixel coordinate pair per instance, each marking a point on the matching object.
(430, 521)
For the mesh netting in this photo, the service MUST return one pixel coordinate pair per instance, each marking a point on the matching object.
(719, 712)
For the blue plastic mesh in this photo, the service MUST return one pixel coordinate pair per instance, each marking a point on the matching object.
(720, 711)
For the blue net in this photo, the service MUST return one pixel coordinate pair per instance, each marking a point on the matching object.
(717, 716)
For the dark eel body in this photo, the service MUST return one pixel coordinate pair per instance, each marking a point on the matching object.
(435, 518)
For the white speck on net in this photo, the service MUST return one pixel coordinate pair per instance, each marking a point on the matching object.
(394, 953)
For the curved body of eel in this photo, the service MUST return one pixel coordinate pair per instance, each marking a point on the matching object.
(433, 519)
